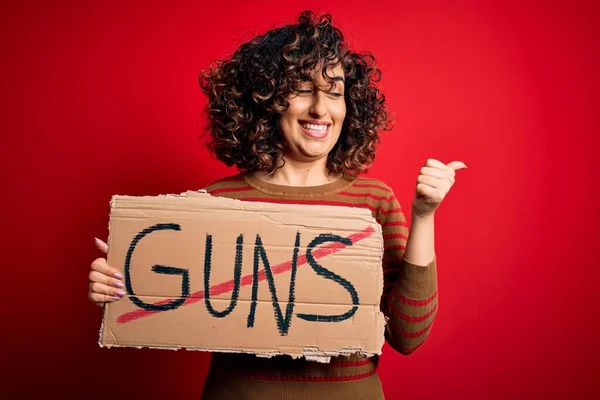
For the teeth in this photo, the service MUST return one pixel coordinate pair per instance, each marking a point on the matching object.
(313, 127)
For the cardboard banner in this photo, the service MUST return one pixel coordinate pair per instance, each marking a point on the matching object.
(217, 274)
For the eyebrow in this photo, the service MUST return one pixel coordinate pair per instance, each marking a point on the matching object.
(337, 78)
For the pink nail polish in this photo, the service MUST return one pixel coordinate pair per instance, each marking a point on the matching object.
(118, 275)
(119, 284)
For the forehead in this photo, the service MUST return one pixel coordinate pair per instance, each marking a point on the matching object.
(337, 71)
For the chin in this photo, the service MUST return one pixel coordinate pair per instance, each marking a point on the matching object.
(313, 153)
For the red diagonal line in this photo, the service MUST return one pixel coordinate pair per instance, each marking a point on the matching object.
(227, 287)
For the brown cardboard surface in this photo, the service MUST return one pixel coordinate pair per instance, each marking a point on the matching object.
(161, 244)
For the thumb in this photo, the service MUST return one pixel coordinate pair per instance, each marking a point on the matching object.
(101, 245)
(456, 165)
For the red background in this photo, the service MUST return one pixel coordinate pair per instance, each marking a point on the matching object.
(100, 98)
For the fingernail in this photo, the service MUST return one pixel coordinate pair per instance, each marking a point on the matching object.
(114, 298)
(120, 292)
(118, 275)
(119, 284)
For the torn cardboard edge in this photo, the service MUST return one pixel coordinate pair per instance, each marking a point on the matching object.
(311, 353)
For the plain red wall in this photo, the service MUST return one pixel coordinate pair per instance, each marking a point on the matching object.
(101, 98)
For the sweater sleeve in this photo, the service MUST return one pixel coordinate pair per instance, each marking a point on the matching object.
(409, 299)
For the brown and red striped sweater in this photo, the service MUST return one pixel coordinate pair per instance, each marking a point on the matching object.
(409, 301)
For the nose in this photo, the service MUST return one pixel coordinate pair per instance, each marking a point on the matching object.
(318, 108)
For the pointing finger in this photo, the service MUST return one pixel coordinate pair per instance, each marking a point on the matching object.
(456, 165)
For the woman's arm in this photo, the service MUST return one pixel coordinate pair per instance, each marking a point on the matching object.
(410, 296)
(420, 247)
(410, 275)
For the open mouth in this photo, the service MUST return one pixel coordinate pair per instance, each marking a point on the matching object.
(314, 130)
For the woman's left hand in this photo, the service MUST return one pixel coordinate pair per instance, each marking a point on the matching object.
(433, 184)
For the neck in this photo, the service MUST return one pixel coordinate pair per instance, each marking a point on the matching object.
(298, 173)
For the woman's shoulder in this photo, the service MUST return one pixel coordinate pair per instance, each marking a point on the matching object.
(387, 206)
(227, 182)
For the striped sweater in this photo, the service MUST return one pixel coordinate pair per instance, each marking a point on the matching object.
(409, 302)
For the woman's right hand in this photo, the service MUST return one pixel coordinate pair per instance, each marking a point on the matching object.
(105, 281)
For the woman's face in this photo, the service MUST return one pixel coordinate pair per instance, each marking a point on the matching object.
(313, 122)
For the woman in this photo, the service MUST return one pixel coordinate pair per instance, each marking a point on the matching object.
(299, 114)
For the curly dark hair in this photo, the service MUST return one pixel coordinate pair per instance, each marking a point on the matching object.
(248, 91)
